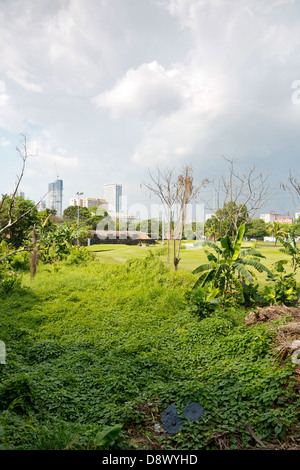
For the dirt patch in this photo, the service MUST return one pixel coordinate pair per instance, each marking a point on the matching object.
(148, 432)
(287, 342)
(272, 313)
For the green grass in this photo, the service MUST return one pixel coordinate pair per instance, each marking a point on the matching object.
(92, 346)
(191, 258)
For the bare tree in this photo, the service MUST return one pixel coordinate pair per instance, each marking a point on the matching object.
(244, 194)
(293, 187)
(175, 191)
(24, 154)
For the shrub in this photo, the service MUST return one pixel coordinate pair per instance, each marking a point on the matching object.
(284, 290)
(9, 281)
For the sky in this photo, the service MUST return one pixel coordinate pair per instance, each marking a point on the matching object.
(107, 89)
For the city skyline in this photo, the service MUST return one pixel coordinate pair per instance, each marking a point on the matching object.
(149, 83)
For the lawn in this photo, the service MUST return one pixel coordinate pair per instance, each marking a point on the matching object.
(96, 352)
(190, 257)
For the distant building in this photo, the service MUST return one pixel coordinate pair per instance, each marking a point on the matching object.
(113, 194)
(89, 202)
(55, 196)
(41, 206)
(272, 217)
(20, 194)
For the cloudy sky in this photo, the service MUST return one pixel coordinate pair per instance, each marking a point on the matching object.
(105, 89)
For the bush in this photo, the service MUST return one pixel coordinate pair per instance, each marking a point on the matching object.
(9, 281)
(79, 255)
(202, 302)
(284, 290)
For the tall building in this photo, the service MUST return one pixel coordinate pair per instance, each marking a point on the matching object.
(55, 194)
(113, 194)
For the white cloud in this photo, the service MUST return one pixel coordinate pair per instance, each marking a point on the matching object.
(182, 80)
(4, 142)
(148, 90)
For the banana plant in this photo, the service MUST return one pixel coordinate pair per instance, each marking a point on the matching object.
(230, 266)
(290, 247)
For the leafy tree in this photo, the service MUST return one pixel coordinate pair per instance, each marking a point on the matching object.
(16, 233)
(58, 241)
(295, 228)
(230, 266)
(256, 228)
(87, 217)
(277, 229)
(227, 220)
(212, 228)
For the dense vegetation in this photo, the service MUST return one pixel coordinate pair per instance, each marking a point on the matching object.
(95, 352)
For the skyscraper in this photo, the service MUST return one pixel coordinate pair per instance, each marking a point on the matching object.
(112, 193)
(55, 196)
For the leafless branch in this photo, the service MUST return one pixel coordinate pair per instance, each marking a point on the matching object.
(249, 190)
(23, 152)
(293, 187)
(175, 191)
(25, 248)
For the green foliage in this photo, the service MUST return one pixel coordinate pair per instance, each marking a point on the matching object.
(57, 242)
(256, 228)
(9, 277)
(20, 231)
(252, 294)
(16, 394)
(202, 301)
(226, 221)
(290, 248)
(230, 267)
(284, 290)
(107, 436)
(87, 217)
(89, 348)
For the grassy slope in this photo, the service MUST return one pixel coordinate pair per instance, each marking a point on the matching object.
(87, 346)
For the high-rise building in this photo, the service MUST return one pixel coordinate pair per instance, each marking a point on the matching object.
(55, 194)
(113, 194)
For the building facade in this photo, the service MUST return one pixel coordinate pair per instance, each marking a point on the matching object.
(276, 217)
(55, 196)
(89, 202)
(112, 193)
